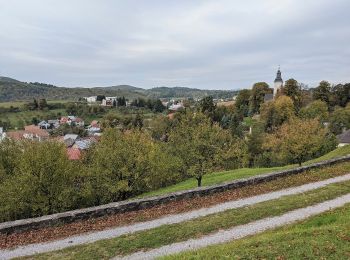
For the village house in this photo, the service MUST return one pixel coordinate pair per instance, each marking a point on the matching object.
(72, 120)
(44, 125)
(109, 101)
(54, 123)
(73, 154)
(176, 107)
(31, 132)
(92, 99)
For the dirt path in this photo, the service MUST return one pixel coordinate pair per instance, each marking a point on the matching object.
(171, 219)
(241, 231)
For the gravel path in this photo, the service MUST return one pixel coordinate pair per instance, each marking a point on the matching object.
(171, 219)
(241, 231)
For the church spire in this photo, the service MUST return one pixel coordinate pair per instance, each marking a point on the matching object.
(279, 75)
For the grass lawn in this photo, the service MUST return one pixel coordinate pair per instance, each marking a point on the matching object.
(168, 234)
(220, 177)
(326, 236)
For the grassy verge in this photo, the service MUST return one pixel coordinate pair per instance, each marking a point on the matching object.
(220, 177)
(168, 234)
(326, 236)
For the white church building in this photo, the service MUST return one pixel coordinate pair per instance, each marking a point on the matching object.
(278, 83)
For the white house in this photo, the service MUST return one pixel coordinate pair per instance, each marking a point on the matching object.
(91, 99)
(2, 134)
(176, 107)
(108, 101)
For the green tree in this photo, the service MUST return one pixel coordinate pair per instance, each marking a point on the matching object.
(44, 182)
(10, 152)
(137, 122)
(340, 95)
(255, 142)
(297, 140)
(158, 106)
(323, 92)
(259, 90)
(42, 104)
(293, 90)
(277, 112)
(199, 144)
(125, 164)
(207, 105)
(339, 120)
(316, 109)
(242, 102)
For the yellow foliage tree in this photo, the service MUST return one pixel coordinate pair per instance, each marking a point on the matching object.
(297, 140)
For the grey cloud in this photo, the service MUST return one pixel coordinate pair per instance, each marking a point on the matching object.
(205, 44)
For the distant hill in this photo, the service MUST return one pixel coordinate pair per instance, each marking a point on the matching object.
(124, 88)
(181, 92)
(14, 90)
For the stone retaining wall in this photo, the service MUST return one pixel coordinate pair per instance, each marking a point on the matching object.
(137, 204)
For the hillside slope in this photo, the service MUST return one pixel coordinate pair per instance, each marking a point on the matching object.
(14, 90)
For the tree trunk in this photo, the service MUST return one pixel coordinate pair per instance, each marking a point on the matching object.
(199, 181)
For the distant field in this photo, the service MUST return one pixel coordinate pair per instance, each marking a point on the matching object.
(12, 103)
(226, 103)
(19, 119)
(220, 177)
(21, 103)
(22, 118)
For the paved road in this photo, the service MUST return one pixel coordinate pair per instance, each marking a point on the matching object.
(241, 231)
(171, 219)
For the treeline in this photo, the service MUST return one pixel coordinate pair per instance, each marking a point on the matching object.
(153, 104)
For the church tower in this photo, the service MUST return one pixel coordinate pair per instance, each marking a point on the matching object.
(278, 83)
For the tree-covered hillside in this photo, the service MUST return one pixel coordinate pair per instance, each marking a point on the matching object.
(14, 90)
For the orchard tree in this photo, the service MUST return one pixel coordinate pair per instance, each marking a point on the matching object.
(45, 182)
(128, 163)
(199, 143)
(297, 140)
(10, 151)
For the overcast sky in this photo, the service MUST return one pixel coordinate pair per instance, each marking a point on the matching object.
(219, 44)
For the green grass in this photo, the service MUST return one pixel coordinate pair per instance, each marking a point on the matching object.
(21, 103)
(25, 117)
(326, 236)
(168, 234)
(225, 176)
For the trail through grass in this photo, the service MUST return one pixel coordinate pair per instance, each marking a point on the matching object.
(326, 236)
